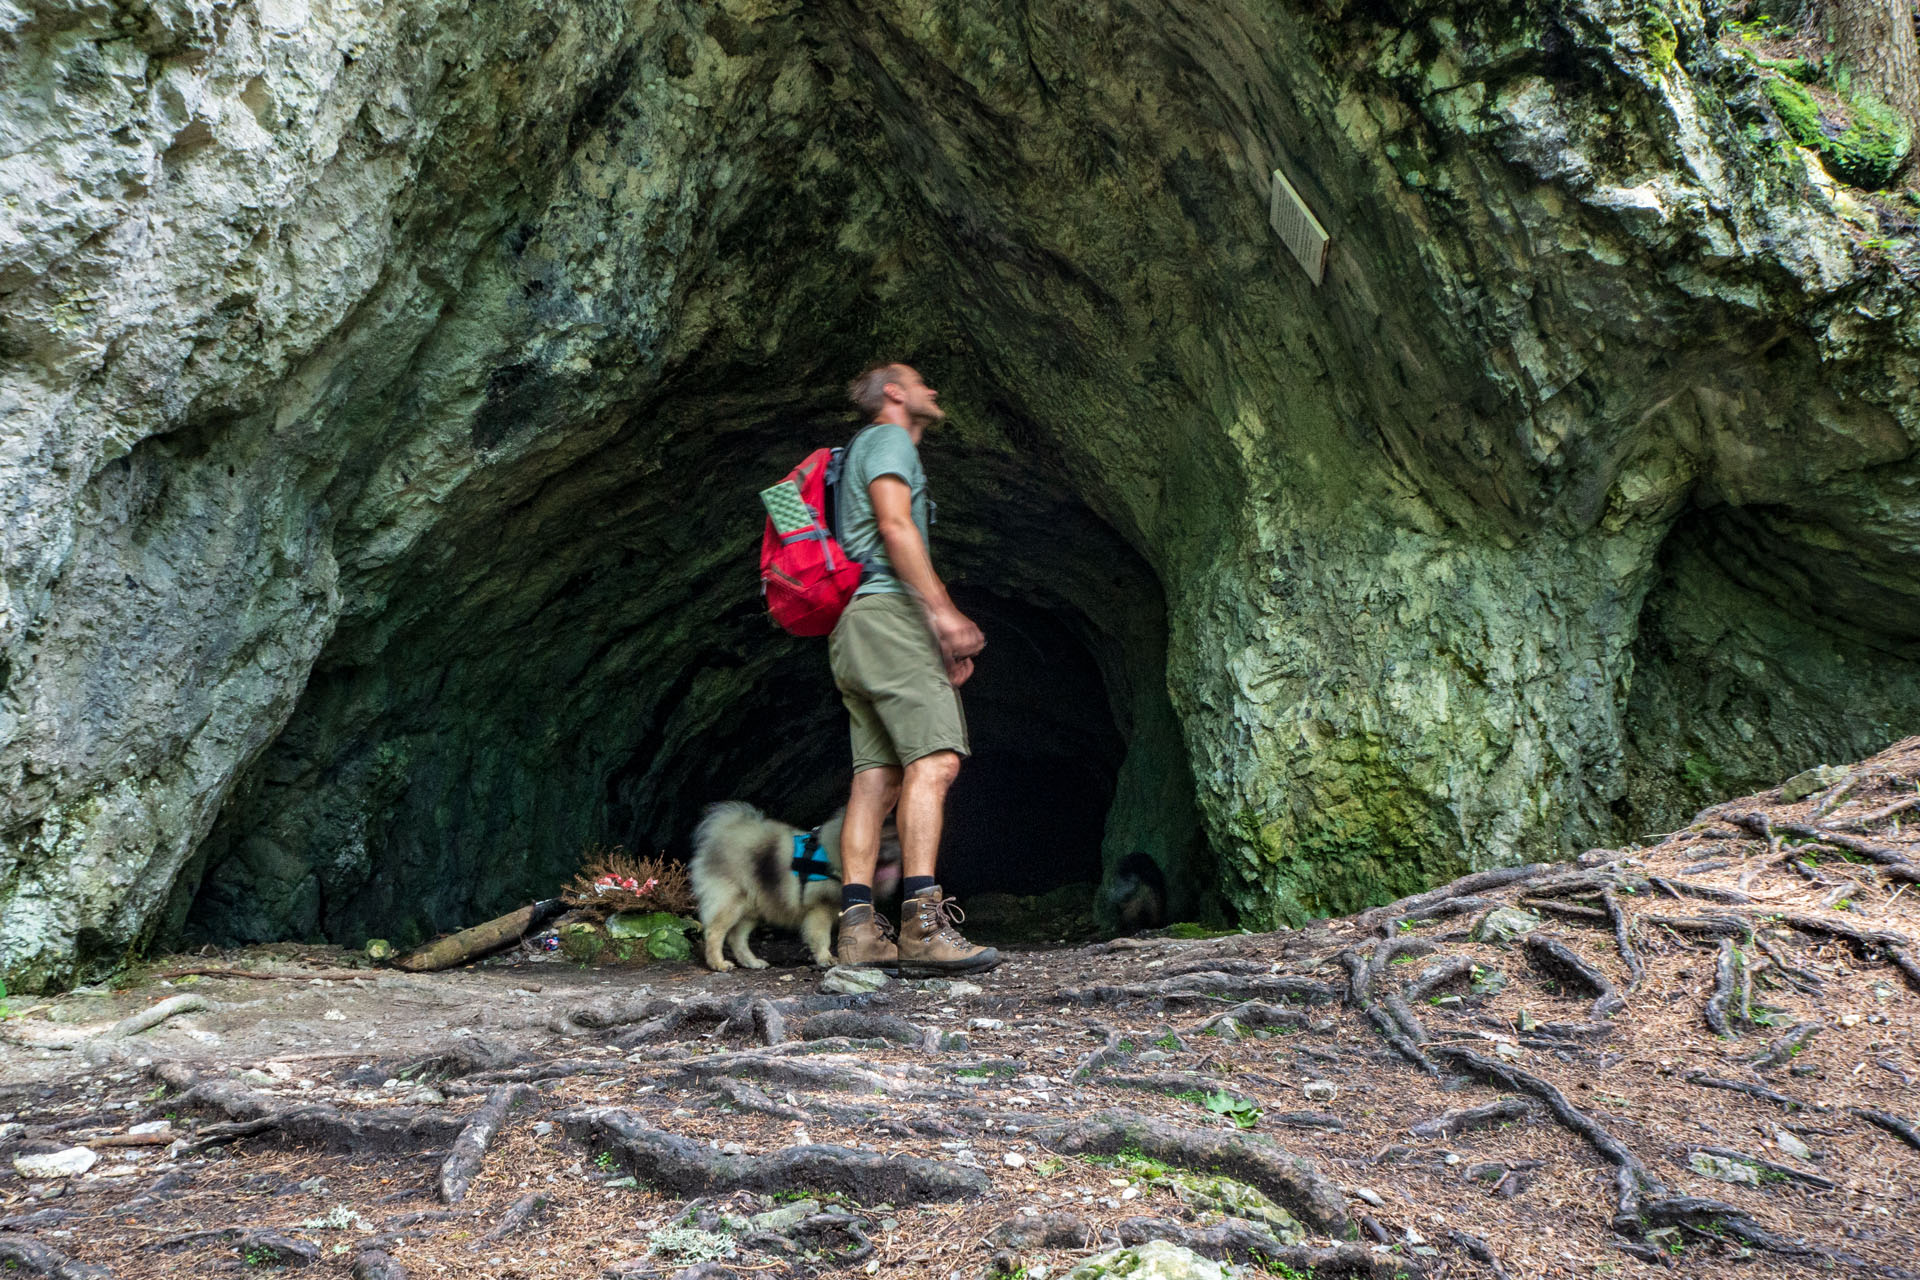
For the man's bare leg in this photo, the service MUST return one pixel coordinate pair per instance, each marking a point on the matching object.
(866, 939)
(930, 942)
(923, 811)
(875, 792)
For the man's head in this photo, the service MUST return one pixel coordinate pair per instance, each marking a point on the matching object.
(896, 393)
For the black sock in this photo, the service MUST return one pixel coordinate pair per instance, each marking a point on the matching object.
(854, 895)
(912, 885)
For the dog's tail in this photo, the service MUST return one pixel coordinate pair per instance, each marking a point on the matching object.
(718, 821)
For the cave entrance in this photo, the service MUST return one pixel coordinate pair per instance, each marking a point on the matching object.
(581, 658)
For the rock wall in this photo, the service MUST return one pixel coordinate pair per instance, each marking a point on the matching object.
(385, 391)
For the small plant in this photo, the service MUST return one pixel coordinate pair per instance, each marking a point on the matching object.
(1239, 1110)
(342, 1217)
(1168, 1042)
(256, 1257)
(604, 1162)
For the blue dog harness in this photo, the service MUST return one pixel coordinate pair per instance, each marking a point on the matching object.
(809, 859)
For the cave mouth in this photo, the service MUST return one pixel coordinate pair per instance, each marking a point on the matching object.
(581, 659)
(1028, 813)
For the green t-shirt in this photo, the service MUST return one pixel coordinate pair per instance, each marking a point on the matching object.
(883, 449)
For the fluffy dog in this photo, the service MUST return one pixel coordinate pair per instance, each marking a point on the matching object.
(742, 873)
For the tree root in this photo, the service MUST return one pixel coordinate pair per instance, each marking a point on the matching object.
(1788, 1046)
(796, 1073)
(1437, 975)
(1717, 1003)
(518, 1214)
(744, 1096)
(1198, 988)
(1706, 926)
(852, 1022)
(1631, 1178)
(374, 1264)
(1803, 980)
(763, 1021)
(1623, 937)
(1253, 1013)
(684, 1167)
(1292, 1181)
(1556, 957)
(463, 1163)
(1894, 858)
(1784, 1170)
(25, 1257)
(1714, 1217)
(1893, 1124)
(155, 1014)
(664, 1025)
(1480, 1251)
(1761, 1092)
(1465, 885)
(360, 1132)
(1236, 1240)
(1451, 1124)
(1107, 1054)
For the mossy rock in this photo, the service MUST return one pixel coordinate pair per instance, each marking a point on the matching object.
(1865, 145)
(582, 941)
(1154, 1260)
(1214, 1194)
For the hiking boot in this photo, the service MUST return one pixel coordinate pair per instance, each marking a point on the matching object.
(866, 939)
(929, 943)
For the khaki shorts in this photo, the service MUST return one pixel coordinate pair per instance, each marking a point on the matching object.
(889, 673)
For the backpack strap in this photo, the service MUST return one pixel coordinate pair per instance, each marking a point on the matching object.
(809, 859)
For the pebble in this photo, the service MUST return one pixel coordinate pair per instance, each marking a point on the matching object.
(1791, 1145)
(153, 1126)
(1371, 1196)
(1013, 1159)
(70, 1163)
(985, 1024)
(1320, 1090)
(541, 1128)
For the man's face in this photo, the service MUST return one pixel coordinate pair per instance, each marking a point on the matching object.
(919, 399)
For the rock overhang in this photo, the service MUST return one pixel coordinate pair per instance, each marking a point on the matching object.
(493, 279)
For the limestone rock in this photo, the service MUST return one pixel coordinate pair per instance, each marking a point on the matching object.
(1237, 1200)
(1154, 1260)
(1814, 780)
(384, 390)
(1504, 926)
(70, 1163)
(845, 980)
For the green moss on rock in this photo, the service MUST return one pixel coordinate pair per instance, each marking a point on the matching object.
(1865, 148)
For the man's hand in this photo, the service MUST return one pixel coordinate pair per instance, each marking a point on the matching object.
(959, 640)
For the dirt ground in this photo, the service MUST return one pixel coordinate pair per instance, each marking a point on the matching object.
(309, 1117)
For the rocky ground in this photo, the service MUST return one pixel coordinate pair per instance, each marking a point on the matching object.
(1697, 1055)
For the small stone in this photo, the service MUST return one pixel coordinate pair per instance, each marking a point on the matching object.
(985, 1024)
(1849, 1019)
(1371, 1196)
(844, 980)
(153, 1126)
(1504, 926)
(786, 1218)
(70, 1163)
(1791, 1145)
(1320, 1090)
(1723, 1169)
(1154, 1260)
(334, 1015)
(1818, 778)
(1013, 1159)
(1507, 1049)
(1154, 1055)
(542, 1128)
(426, 1096)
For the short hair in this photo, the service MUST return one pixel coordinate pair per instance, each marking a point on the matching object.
(869, 390)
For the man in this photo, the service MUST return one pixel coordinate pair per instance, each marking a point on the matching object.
(899, 654)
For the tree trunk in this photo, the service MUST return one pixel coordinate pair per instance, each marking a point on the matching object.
(1876, 39)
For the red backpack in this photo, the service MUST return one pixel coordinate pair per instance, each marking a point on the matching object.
(805, 575)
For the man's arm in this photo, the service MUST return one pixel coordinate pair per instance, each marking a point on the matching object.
(958, 638)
